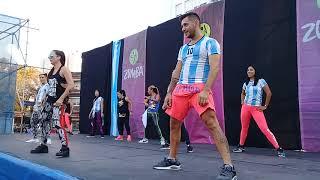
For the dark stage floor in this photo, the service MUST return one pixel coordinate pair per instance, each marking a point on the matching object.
(96, 158)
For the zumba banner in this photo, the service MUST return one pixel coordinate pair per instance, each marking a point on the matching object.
(133, 78)
(212, 18)
(308, 30)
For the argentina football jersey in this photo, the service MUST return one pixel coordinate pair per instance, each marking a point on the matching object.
(254, 93)
(195, 60)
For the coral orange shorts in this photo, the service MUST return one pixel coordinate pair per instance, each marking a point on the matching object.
(184, 97)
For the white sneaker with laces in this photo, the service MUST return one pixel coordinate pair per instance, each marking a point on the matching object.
(49, 141)
(162, 142)
(144, 141)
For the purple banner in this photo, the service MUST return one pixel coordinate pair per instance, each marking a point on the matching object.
(212, 18)
(308, 39)
(133, 78)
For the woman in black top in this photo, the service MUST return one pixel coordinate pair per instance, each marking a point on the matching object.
(60, 83)
(124, 109)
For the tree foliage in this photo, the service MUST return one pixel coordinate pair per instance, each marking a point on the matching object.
(27, 82)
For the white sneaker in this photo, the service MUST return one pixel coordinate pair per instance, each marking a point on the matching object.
(162, 142)
(144, 141)
(31, 140)
(49, 141)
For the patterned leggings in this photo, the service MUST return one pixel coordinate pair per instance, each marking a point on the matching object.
(155, 118)
(50, 114)
(34, 122)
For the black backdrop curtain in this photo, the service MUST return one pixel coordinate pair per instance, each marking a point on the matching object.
(96, 74)
(163, 44)
(262, 33)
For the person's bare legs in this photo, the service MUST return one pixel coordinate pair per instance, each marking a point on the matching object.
(210, 119)
(175, 137)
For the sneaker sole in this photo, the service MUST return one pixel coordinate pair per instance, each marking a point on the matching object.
(173, 167)
(165, 148)
(30, 141)
(62, 156)
(39, 152)
(189, 151)
(234, 178)
(237, 151)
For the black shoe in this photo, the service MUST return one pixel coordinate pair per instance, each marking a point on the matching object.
(40, 149)
(189, 148)
(64, 152)
(168, 164)
(281, 153)
(165, 146)
(239, 149)
(227, 173)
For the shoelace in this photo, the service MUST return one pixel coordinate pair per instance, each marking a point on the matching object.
(167, 161)
(225, 170)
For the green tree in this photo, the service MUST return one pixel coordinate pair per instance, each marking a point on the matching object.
(27, 83)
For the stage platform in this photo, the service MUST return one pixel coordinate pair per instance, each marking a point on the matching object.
(101, 159)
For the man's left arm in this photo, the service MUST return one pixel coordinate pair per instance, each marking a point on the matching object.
(214, 61)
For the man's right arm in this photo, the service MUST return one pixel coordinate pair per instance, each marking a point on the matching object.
(174, 77)
(172, 85)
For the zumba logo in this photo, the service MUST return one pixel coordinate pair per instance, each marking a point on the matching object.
(312, 31)
(205, 29)
(133, 57)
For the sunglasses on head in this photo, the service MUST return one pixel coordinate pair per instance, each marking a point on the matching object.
(51, 57)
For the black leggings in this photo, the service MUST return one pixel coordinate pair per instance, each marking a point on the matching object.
(123, 121)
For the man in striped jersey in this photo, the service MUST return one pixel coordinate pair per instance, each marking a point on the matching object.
(190, 86)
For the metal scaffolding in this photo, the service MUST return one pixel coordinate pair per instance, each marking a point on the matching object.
(12, 29)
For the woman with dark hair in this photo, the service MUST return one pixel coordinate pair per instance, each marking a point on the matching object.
(124, 109)
(152, 102)
(251, 100)
(96, 114)
(60, 83)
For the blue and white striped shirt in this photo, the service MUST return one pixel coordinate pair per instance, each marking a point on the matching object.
(97, 105)
(195, 60)
(41, 95)
(254, 93)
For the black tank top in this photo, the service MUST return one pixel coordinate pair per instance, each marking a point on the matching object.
(123, 107)
(68, 108)
(55, 88)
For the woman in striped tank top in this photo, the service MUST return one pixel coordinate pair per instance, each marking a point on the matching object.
(251, 100)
